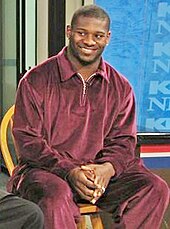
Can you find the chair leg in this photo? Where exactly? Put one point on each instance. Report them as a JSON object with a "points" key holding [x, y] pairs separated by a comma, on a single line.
{"points": [[96, 221], [82, 223]]}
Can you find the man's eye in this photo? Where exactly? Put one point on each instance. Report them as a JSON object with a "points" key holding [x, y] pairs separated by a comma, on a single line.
{"points": [[81, 34], [99, 36]]}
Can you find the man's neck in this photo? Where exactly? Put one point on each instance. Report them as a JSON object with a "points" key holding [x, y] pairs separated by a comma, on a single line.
{"points": [[85, 70]]}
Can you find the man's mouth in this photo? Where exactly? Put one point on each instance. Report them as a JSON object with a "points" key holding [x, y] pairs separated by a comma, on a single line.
{"points": [[88, 50]]}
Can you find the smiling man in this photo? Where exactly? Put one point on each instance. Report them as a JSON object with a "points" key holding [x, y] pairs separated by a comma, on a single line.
{"points": [[75, 130], [87, 42]]}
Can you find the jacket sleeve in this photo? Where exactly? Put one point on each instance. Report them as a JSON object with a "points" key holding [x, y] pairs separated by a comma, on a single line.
{"points": [[31, 140], [120, 143]]}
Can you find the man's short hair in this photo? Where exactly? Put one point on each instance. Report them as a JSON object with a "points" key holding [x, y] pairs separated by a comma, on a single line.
{"points": [[92, 11]]}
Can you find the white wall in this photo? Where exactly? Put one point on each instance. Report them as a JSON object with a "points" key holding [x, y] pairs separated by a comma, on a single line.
{"points": [[42, 30], [8, 45], [30, 33]]}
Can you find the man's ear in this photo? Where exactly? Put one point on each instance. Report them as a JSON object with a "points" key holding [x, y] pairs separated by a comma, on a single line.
{"points": [[108, 37], [68, 31]]}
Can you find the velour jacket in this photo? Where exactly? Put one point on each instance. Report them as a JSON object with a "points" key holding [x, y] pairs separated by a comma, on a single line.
{"points": [[62, 121]]}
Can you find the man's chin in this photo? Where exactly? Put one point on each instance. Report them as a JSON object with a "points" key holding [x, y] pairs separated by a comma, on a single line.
{"points": [[87, 61]]}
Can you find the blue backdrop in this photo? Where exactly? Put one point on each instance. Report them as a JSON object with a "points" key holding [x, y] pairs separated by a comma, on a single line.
{"points": [[140, 49]]}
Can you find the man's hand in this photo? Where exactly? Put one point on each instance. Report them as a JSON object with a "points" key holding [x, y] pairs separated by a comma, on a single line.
{"points": [[90, 181], [102, 173], [82, 182]]}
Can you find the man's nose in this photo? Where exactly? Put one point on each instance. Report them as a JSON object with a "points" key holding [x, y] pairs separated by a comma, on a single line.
{"points": [[89, 39]]}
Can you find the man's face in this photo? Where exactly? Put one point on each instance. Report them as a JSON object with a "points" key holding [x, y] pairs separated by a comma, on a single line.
{"points": [[87, 39]]}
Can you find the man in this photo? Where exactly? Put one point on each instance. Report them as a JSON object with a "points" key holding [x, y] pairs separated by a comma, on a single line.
{"points": [[75, 131], [18, 213]]}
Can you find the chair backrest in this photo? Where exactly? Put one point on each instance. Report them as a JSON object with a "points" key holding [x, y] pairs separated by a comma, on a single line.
{"points": [[5, 130]]}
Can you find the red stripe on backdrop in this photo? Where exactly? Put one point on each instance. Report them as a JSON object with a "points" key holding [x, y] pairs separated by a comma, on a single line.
{"points": [[155, 148]]}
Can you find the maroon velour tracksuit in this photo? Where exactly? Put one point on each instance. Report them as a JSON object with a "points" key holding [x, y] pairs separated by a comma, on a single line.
{"points": [[62, 121]]}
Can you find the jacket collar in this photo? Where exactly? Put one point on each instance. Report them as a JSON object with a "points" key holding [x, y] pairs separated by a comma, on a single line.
{"points": [[67, 71]]}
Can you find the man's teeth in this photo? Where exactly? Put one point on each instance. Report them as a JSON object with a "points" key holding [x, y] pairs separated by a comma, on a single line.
{"points": [[87, 50]]}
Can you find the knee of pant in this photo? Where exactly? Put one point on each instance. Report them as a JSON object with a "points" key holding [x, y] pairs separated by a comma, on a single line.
{"points": [[37, 213], [164, 190], [60, 190], [30, 208], [160, 188]]}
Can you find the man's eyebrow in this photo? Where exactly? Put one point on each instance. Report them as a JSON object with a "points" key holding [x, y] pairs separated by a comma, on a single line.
{"points": [[82, 29]]}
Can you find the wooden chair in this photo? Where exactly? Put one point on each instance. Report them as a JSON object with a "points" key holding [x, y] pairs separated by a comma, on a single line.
{"points": [[89, 210], [6, 126]]}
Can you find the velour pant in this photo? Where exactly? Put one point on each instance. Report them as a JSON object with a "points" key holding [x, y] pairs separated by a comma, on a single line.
{"points": [[17, 213], [137, 199]]}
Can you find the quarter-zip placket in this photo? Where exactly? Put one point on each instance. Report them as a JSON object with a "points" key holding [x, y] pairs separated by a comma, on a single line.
{"points": [[84, 87]]}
